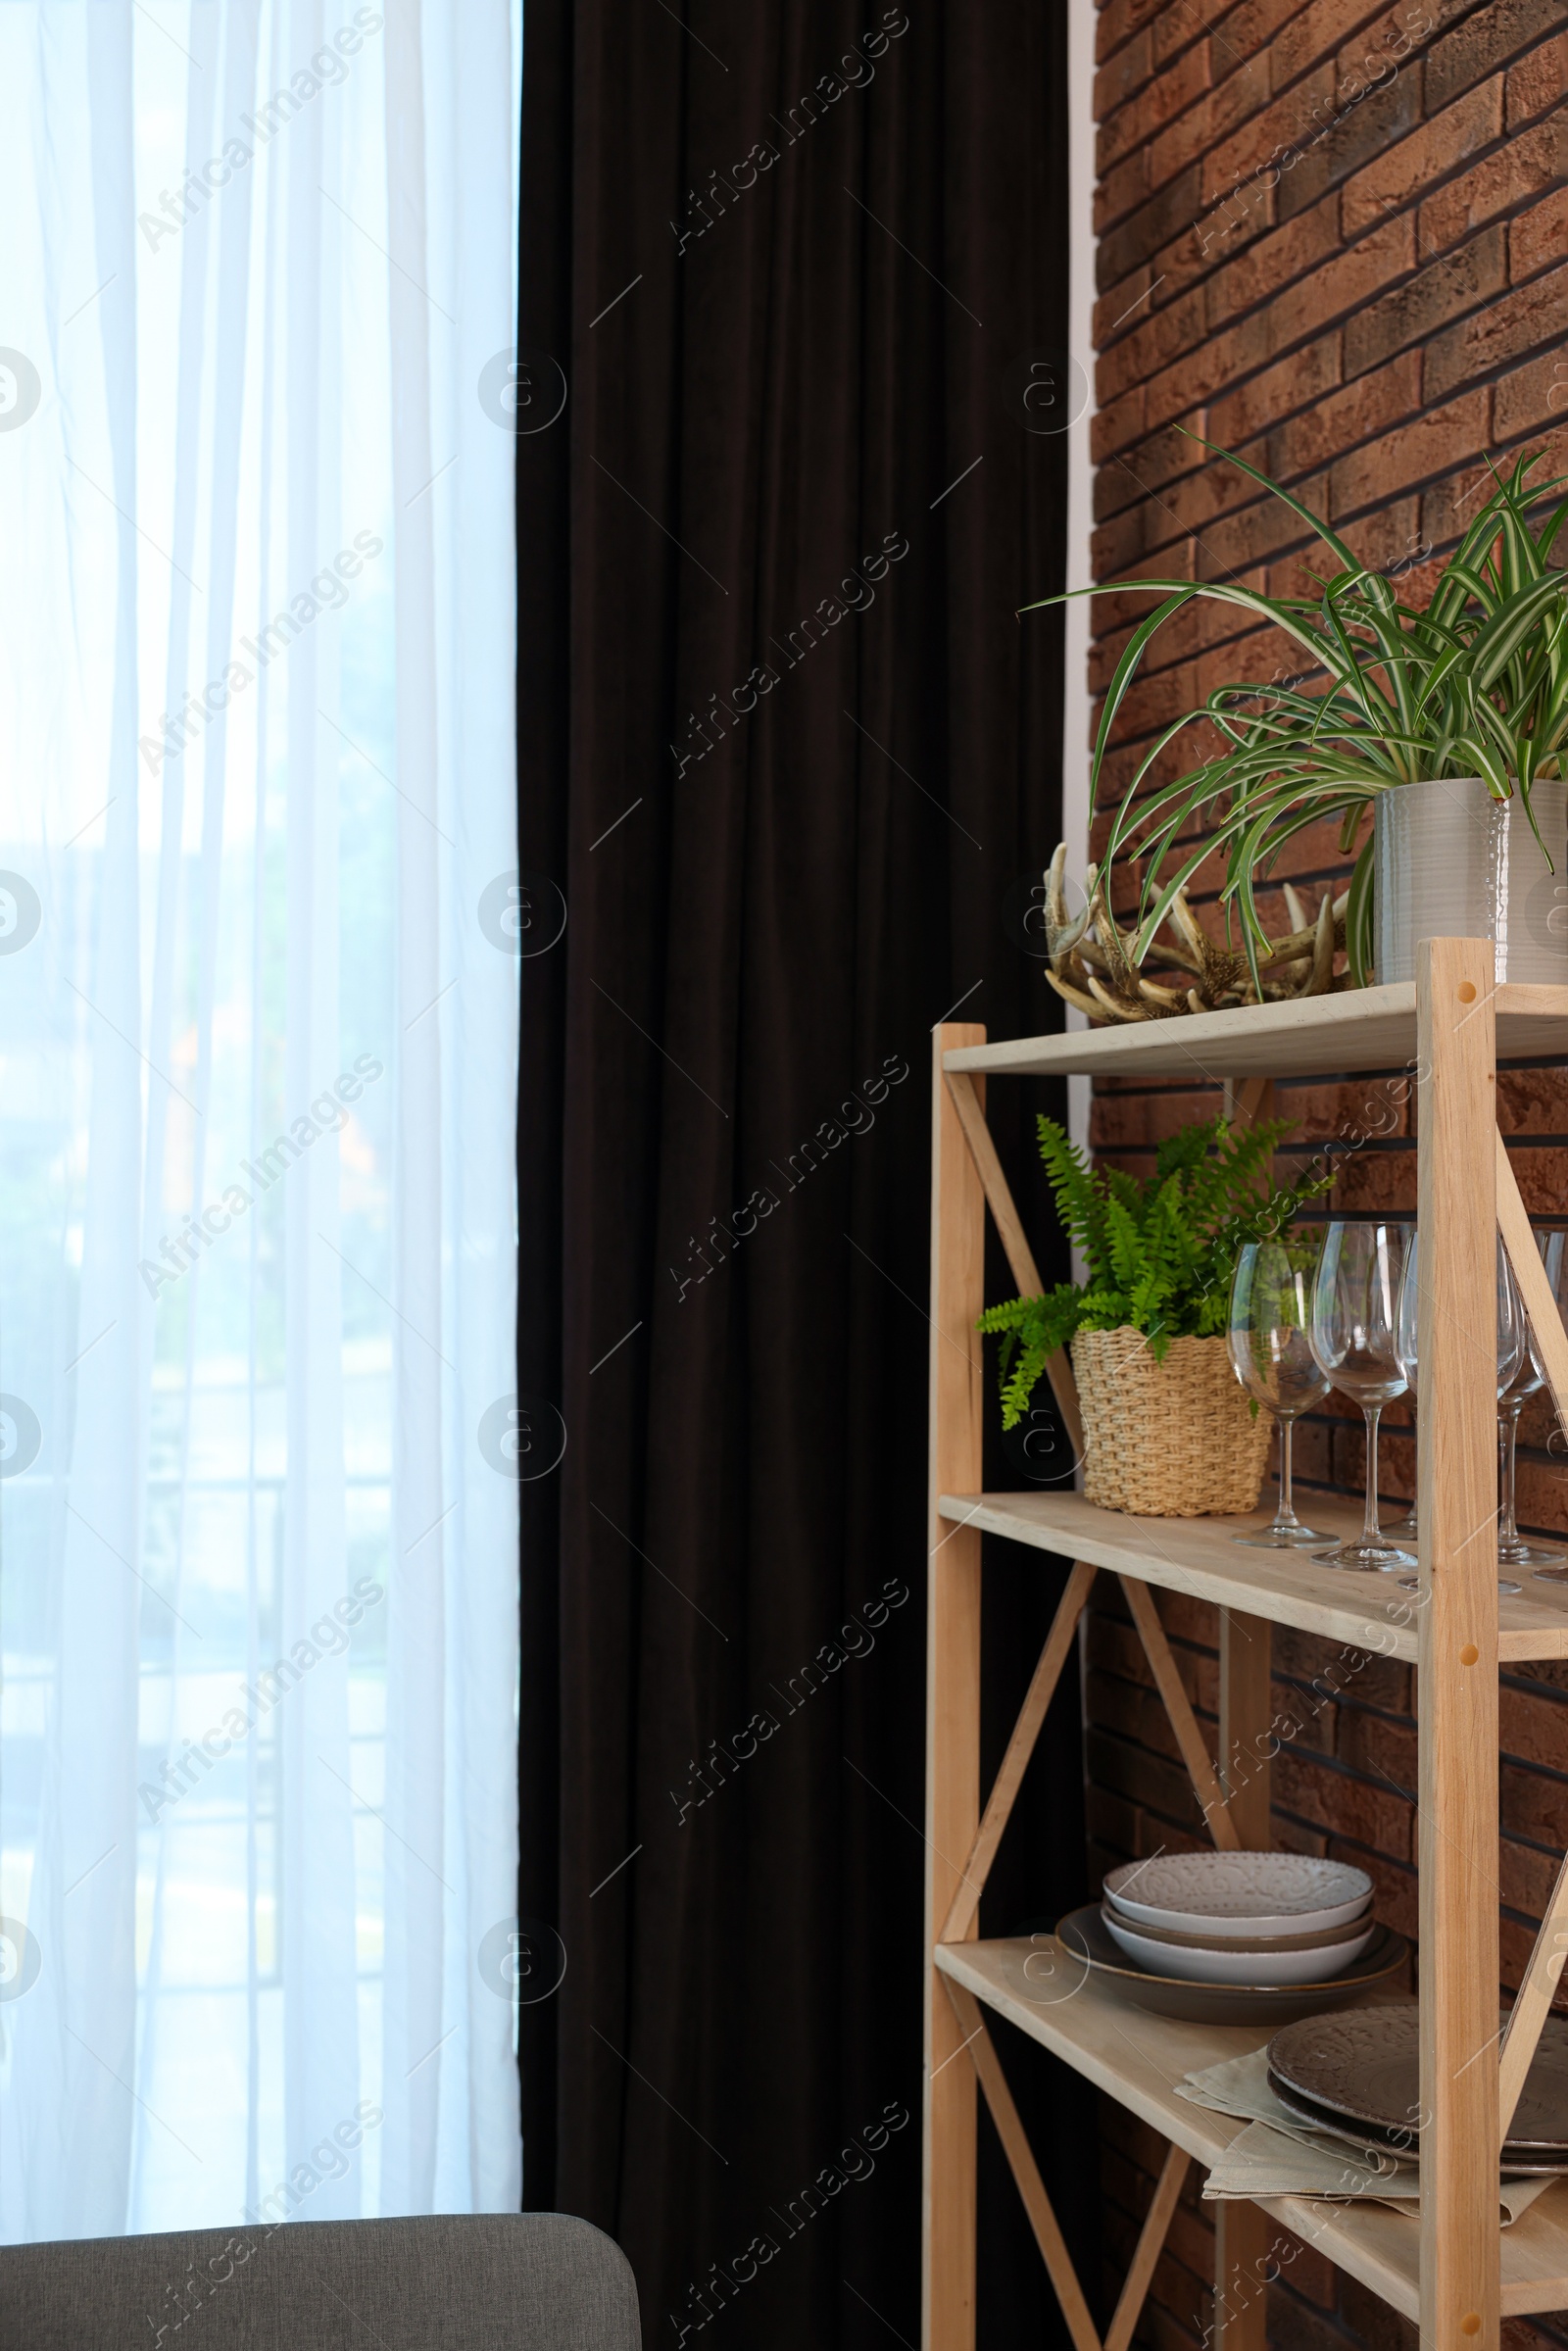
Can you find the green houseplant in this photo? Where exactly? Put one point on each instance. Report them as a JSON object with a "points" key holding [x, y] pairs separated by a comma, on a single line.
{"points": [[1167, 1429], [1470, 689]]}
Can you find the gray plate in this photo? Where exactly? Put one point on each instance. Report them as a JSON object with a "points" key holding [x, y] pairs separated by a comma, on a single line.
{"points": [[1367, 2067], [1405, 2146], [1085, 1938]]}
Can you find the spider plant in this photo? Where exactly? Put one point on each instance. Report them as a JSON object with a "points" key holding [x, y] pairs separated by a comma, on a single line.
{"points": [[1474, 685]]}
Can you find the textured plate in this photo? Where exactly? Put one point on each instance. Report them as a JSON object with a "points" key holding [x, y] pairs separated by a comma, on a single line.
{"points": [[1205, 1938], [1239, 1963], [1368, 2067], [1083, 1936], [1404, 2145], [1239, 1894]]}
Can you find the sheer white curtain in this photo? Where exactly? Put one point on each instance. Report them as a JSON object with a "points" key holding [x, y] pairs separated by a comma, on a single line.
{"points": [[258, 1037]]}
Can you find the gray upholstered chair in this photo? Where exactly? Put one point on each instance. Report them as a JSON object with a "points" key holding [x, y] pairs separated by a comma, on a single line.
{"points": [[526, 2282]]}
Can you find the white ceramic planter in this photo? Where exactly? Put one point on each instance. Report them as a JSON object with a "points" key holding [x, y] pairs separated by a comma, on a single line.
{"points": [[1452, 862]]}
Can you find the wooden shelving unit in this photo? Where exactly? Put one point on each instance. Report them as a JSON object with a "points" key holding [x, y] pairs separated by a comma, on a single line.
{"points": [[1454, 2269]]}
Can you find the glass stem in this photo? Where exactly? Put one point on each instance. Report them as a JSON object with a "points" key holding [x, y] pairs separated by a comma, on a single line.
{"points": [[1371, 1531], [1286, 1516], [1508, 1441]]}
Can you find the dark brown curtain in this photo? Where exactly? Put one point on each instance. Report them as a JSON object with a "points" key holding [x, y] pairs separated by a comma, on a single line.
{"points": [[790, 761]]}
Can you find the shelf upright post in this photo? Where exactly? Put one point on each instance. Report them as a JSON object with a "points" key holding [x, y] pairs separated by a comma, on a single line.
{"points": [[953, 1702], [1457, 1644]]}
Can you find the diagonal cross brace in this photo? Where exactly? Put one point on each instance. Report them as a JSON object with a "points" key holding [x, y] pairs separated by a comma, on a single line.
{"points": [[1042, 2217], [1195, 1754]]}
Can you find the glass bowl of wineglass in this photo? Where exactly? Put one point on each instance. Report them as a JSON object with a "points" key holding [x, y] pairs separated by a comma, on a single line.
{"points": [[1355, 1299], [1269, 1337]]}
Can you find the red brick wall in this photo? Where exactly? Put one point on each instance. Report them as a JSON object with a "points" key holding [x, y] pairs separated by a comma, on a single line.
{"points": [[1334, 238]]}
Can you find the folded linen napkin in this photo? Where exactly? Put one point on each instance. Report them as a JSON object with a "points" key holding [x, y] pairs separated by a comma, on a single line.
{"points": [[1279, 2154]]}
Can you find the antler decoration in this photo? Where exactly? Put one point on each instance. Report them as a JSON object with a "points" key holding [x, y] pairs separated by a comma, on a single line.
{"points": [[1093, 964]]}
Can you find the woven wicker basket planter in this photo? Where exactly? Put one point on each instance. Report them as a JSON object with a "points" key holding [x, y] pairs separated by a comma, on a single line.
{"points": [[1172, 1440]]}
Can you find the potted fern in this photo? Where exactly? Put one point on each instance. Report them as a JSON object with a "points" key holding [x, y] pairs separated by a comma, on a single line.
{"points": [[1167, 1432], [1446, 725]]}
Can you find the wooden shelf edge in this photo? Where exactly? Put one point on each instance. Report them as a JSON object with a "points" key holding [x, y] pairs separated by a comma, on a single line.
{"points": [[1365, 1028], [1196, 1555]]}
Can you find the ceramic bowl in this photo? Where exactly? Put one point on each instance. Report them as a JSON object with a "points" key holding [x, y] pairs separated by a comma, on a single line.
{"points": [[1234, 1966], [1205, 1938], [1089, 1946], [1239, 1896]]}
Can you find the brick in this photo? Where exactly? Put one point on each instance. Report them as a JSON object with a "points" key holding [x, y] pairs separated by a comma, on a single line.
{"points": [[1452, 285], [1135, 1715], [1483, 41], [1375, 1183], [1116, 81], [1344, 137], [1384, 1750], [1290, 122], [1299, 381], [1533, 1726], [1354, 413], [1527, 166], [1342, 285], [1259, 532], [1531, 396], [1535, 1806], [1323, 30], [1336, 1109], [1121, 191], [1117, 304], [1543, 1180], [1166, 457], [1308, 1786], [1117, 426], [1433, 443], [1121, 20], [1389, 180], [1179, 87], [1235, 99], [1533, 1102], [1115, 1649], [1537, 83], [1119, 1121], [1152, 343], [1540, 236], [1270, 263], [1449, 505], [1172, 210], [1160, 1788], [1525, 1877]]}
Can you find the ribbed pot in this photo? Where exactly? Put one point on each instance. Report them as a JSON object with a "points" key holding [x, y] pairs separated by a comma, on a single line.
{"points": [[1452, 862], [1170, 1440]]}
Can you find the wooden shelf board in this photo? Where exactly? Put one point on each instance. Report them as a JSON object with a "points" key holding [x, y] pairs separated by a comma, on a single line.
{"points": [[1365, 1028], [1138, 2059], [1196, 1555]]}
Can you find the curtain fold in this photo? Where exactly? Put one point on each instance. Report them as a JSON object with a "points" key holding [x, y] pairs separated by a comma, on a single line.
{"points": [[257, 1563], [789, 756]]}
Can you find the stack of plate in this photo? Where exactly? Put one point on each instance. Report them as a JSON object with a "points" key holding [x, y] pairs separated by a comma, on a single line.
{"points": [[1357, 2078], [1250, 1918]]}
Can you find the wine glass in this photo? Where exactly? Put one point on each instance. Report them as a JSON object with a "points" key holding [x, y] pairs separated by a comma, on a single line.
{"points": [[1510, 1350], [1271, 1354], [1355, 1300]]}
